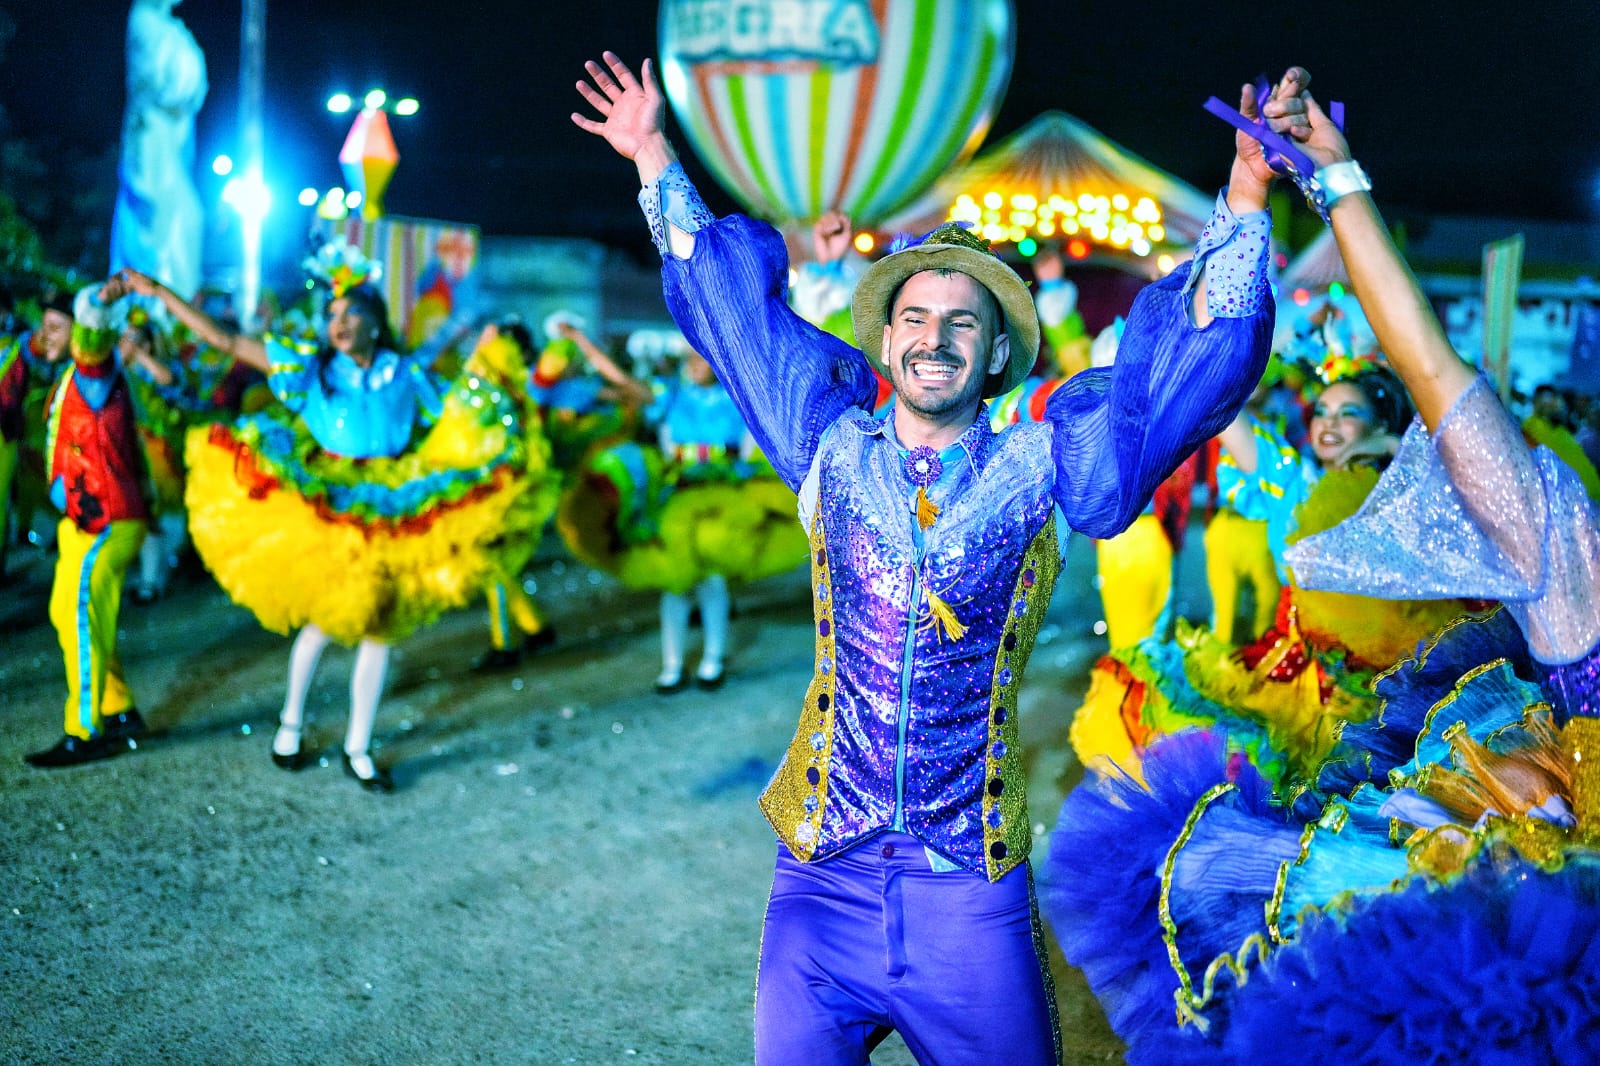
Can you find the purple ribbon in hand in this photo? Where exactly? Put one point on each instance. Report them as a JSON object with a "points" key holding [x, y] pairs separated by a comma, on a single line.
{"points": [[1279, 151]]}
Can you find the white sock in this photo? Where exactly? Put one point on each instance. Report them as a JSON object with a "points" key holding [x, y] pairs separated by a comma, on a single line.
{"points": [[363, 766], [713, 596], [174, 538], [674, 634], [152, 563], [303, 657], [366, 686], [287, 742]]}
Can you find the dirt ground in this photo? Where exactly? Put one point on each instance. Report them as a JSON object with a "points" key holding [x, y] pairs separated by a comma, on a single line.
{"points": [[572, 870]]}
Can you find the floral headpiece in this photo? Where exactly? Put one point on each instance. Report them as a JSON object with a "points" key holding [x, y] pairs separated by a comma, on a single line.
{"points": [[342, 267], [1337, 366]]}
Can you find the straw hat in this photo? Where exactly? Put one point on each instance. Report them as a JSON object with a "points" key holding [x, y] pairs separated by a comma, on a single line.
{"points": [[950, 247]]}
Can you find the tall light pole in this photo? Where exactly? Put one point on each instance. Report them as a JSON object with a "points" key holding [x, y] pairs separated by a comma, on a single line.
{"points": [[250, 197]]}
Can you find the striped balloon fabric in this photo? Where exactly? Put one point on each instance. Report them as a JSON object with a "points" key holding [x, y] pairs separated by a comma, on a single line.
{"points": [[799, 107]]}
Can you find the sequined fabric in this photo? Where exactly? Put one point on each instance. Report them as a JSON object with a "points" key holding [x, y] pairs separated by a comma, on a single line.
{"points": [[672, 200], [1234, 250], [991, 558], [795, 797], [1006, 829], [1573, 688], [1474, 513], [1580, 740]]}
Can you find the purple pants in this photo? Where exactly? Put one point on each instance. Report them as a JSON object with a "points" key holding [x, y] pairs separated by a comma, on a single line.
{"points": [[874, 941]]}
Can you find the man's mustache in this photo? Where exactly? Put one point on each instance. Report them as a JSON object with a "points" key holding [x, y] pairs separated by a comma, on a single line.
{"points": [[929, 357]]}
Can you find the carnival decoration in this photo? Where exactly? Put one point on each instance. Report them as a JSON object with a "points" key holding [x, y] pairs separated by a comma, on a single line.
{"points": [[799, 107], [1058, 179], [368, 159], [429, 269]]}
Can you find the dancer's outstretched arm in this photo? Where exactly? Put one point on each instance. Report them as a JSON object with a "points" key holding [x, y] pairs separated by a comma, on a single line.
{"points": [[636, 391], [1407, 329], [1529, 533], [726, 284], [633, 122], [248, 350]]}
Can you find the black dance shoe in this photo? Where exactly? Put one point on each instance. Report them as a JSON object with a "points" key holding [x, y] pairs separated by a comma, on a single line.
{"points": [[70, 751], [379, 781], [129, 724], [496, 659]]}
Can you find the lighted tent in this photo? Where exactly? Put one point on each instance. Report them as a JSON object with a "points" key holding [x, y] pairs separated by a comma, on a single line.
{"points": [[1059, 179], [1316, 268]]}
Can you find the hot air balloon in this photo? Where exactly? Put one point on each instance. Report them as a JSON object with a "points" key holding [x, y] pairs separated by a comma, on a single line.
{"points": [[799, 107]]}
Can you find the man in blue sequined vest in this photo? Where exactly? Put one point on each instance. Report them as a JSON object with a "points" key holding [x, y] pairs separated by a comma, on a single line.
{"points": [[902, 899]]}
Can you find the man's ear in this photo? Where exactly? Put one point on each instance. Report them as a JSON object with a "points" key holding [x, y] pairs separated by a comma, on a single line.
{"points": [[885, 351], [1001, 354]]}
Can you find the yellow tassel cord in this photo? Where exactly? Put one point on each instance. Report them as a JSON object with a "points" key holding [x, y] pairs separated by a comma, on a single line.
{"points": [[927, 510], [941, 616]]}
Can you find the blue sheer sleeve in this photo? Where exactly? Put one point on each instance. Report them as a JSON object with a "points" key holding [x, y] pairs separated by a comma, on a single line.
{"points": [[1472, 511], [789, 379], [1120, 430]]}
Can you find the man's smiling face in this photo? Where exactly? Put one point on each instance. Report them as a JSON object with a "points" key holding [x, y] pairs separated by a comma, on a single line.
{"points": [[942, 340]]}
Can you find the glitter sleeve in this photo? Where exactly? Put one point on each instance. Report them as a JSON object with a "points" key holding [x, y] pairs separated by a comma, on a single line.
{"points": [[789, 379], [672, 200], [1234, 250], [1473, 512]]}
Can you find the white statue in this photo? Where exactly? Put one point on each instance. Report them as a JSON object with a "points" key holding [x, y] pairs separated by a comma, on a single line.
{"points": [[159, 224]]}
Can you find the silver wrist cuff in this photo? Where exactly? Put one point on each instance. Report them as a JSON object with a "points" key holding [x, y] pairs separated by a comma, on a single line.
{"points": [[1337, 180]]}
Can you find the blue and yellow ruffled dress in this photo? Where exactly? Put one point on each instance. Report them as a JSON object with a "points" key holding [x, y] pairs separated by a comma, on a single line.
{"points": [[370, 500], [667, 522]]}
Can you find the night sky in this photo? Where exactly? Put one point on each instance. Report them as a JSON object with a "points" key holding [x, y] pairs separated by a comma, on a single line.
{"points": [[1468, 107]]}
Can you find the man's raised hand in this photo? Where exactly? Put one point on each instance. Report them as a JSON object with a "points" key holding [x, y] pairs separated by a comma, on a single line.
{"points": [[1284, 111], [830, 236], [632, 111]]}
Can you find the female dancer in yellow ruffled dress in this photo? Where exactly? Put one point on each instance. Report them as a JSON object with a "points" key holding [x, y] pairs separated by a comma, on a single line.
{"points": [[688, 516], [372, 498], [1288, 692]]}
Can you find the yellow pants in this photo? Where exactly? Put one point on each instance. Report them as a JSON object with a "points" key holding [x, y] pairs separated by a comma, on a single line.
{"points": [[1237, 555], [8, 470], [1135, 580], [84, 601], [509, 606]]}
